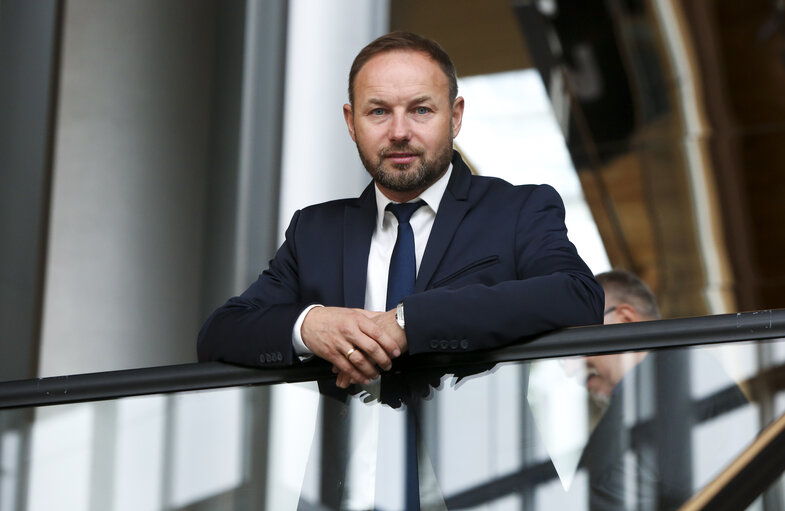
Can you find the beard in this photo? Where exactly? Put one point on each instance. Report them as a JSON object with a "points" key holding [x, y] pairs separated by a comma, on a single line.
{"points": [[418, 175]]}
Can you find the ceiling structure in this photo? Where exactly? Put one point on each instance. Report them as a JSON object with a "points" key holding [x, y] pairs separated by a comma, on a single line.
{"points": [[676, 126]]}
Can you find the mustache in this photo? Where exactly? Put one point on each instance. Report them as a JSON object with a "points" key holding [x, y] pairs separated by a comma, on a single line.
{"points": [[400, 148]]}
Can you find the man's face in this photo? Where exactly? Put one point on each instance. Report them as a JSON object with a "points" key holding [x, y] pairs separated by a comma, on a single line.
{"points": [[601, 376], [402, 122], [604, 372]]}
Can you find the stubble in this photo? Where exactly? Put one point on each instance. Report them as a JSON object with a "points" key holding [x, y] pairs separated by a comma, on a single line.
{"points": [[418, 175]]}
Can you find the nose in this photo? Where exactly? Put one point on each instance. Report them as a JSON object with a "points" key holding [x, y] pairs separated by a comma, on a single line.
{"points": [[399, 127]]}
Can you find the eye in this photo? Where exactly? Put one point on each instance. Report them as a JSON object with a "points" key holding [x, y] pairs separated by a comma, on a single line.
{"points": [[377, 111], [422, 110]]}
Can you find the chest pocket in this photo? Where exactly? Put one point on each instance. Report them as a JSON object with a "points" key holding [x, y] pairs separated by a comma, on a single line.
{"points": [[469, 269]]}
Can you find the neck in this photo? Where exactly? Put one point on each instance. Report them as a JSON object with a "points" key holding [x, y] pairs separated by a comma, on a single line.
{"points": [[397, 196]]}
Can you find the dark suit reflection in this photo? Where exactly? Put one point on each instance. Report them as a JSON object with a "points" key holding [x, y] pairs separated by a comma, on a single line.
{"points": [[648, 466]]}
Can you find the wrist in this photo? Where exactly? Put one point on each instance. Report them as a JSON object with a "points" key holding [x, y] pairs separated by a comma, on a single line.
{"points": [[298, 336]]}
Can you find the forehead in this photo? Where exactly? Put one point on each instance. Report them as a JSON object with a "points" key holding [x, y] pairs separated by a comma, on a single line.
{"points": [[400, 73]]}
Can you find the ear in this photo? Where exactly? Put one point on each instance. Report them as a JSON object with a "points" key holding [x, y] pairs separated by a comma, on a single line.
{"points": [[457, 116], [627, 313], [349, 118]]}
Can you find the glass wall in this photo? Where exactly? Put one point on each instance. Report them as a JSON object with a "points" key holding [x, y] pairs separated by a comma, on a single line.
{"points": [[642, 430]]}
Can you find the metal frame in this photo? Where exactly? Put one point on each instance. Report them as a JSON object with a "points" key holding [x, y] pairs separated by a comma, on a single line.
{"points": [[759, 325]]}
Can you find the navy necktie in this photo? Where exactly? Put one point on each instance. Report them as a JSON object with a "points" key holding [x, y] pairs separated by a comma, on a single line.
{"points": [[400, 283], [403, 265]]}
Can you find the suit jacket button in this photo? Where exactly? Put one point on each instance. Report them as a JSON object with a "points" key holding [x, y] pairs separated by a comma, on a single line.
{"points": [[464, 344], [434, 344], [445, 344], [454, 344]]}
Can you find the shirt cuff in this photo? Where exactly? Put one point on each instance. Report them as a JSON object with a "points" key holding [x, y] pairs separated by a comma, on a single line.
{"points": [[297, 337]]}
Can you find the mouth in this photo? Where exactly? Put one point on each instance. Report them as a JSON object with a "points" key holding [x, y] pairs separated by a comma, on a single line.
{"points": [[401, 158]]}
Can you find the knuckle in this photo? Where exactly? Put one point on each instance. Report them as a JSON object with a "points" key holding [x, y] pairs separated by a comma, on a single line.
{"points": [[374, 330]]}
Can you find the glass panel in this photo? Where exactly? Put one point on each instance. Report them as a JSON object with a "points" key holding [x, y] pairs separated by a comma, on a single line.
{"points": [[511, 131], [623, 431]]}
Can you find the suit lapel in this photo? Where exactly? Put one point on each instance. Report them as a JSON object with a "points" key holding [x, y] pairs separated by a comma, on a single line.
{"points": [[452, 209], [358, 225]]}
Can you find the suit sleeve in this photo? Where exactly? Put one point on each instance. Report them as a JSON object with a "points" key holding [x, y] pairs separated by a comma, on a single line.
{"points": [[554, 288], [255, 328]]}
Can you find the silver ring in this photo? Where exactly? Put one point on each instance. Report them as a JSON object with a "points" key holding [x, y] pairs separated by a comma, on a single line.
{"points": [[349, 353]]}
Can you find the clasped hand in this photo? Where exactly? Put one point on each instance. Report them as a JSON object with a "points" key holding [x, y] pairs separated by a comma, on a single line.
{"points": [[375, 338]]}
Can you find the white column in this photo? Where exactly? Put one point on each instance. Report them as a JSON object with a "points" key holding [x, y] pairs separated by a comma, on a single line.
{"points": [[320, 160], [319, 163]]}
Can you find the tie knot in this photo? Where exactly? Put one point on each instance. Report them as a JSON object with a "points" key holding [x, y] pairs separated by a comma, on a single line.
{"points": [[404, 210]]}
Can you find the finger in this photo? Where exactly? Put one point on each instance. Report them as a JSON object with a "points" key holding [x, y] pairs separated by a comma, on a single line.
{"points": [[388, 347], [332, 332], [397, 336], [336, 354], [348, 380], [361, 363], [342, 380], [376, 344], [374, 354], [356, 366], [369, 353]]}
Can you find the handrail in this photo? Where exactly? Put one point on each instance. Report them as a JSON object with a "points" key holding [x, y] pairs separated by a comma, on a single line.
{"points": [[747, 476], [591, 340]]}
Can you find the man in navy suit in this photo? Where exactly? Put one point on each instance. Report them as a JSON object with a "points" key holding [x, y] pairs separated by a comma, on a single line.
{"points": [[493, 262]]}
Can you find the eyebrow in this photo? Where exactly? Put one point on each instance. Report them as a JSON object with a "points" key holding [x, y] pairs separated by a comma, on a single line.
{"points": [[420, 99]]}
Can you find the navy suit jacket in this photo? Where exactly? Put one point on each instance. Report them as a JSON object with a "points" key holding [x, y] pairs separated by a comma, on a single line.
{"points": [[498, 267]]}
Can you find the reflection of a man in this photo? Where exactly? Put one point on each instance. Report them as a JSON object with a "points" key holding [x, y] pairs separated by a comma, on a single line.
{"points": [[643, 463], [627, 300]]}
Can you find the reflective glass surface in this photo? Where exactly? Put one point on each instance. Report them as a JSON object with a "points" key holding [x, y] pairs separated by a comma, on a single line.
{"points": [[623, 431]]}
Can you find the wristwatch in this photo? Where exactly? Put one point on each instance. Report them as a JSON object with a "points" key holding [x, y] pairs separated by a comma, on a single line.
{"points": [[399, 316]]}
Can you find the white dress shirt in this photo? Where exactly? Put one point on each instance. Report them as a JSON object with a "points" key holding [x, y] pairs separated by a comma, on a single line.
{"points": [[382, 243]]}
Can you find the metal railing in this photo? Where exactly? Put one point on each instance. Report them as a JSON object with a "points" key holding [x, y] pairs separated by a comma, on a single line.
{"points": [[752, 472], [591, 340]]}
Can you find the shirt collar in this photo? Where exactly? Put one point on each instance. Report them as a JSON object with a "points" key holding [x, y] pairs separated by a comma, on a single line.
{"points": [[432, 196]]}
